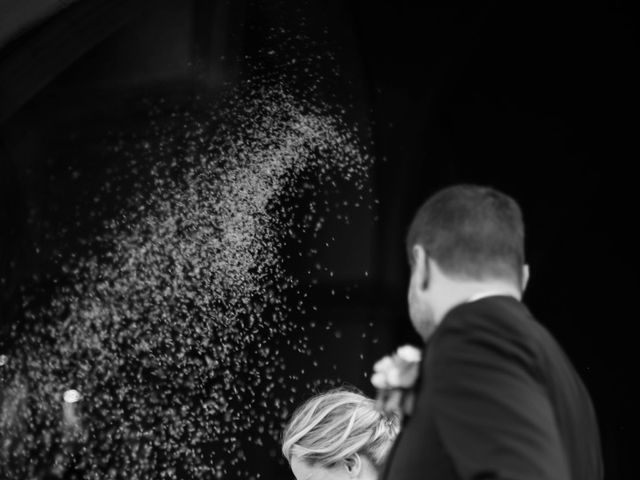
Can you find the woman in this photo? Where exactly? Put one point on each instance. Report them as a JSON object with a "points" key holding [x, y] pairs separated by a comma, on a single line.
{"points": [[338, 435]]}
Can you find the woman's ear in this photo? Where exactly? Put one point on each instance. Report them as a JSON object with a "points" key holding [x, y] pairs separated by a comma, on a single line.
{"points": [[353, 465]]}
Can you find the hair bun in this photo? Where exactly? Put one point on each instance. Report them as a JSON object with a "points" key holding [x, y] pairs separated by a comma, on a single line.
{"points": [[389, 424]]}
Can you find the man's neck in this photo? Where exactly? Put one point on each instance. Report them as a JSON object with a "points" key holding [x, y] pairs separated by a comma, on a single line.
{"points": [[459, 292]]}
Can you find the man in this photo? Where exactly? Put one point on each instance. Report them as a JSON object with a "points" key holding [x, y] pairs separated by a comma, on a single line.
{"points": [[496, 398]]}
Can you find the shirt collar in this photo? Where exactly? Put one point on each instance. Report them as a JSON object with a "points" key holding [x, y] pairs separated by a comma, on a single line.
{"points": [[489, 293]]}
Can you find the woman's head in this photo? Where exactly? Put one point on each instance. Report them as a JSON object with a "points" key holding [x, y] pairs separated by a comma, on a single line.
{"points": [[338, 434]]}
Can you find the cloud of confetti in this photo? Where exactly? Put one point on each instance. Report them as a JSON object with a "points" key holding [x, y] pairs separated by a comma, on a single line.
{"points": [[169, 333]]}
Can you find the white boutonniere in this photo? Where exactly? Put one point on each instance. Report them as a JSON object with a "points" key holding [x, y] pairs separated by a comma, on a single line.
{"points": [[394, 377]]}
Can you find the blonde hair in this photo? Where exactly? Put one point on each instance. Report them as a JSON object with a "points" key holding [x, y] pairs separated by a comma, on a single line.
{"points": [[331, 426]]}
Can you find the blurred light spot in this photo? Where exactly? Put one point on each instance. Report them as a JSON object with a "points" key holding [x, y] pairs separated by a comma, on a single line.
{"points": [[71, 396]]}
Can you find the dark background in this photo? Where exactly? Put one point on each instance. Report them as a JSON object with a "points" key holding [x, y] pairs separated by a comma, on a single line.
{"points": [[538, 103]]}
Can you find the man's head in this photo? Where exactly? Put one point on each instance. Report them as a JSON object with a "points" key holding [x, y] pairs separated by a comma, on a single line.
{"points": [[468, 235]]}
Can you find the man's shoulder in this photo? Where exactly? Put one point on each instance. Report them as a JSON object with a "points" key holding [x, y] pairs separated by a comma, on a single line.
{"points": [[498, 323]]}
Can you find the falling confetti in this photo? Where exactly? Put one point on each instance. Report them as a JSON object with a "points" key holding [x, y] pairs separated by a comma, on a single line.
{"points": [[168, 338]]}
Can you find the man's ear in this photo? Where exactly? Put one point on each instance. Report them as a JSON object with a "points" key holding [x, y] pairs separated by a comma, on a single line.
{"points": [[525, 276], [421, 267], [353, 465]]}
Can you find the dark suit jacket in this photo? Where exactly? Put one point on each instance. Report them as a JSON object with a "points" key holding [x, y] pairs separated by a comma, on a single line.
{"points": [[497, 398]]}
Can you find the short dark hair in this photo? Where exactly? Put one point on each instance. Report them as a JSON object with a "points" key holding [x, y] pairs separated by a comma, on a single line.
{"points": [[472, 231]]}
